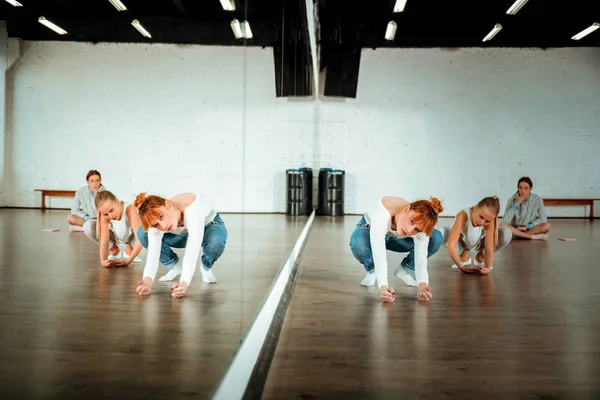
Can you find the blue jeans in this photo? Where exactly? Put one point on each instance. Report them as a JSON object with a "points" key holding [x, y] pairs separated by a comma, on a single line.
{"points": [[213, 243], [360, 243]]}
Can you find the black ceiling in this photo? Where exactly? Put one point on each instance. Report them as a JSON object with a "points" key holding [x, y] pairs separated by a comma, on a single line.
{"points": [[424, 23], [461, 23], [168, 21]]}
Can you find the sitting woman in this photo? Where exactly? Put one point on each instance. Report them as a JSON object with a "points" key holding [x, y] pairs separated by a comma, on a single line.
{"points": [[525, 214], [185, 220], [476, 229], [398, 225], [119, 222], [83, 212]]}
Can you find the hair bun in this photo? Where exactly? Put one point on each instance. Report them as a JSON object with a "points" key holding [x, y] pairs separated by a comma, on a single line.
{"points": [[437, 205], [139, 200]]}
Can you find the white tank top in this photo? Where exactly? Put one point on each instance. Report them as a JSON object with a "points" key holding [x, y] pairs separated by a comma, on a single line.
{"points": [[122, 228], [470, 234]]}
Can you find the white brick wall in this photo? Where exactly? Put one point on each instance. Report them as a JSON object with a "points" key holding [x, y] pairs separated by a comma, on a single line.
{"points": [[163, 118], [460, 125], [158, 118]]}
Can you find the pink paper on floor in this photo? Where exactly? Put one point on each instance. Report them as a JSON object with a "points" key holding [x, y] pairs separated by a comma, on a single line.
{"points": [[50, 230], [567, 239]]}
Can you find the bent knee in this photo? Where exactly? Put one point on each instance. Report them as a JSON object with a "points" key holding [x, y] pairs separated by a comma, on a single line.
{"points": [[545, 227], [360, 250], [215, 247], [436, 240]]}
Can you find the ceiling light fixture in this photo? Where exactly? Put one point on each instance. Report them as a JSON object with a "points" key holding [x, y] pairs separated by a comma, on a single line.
{"points": [[586, 31], [228, 5], [14, 3], [399, 6], [246, 31], [118, 5], [516, 7], [137, 25], [390, 32], [492, 33], [241, 30], [52, 26]]}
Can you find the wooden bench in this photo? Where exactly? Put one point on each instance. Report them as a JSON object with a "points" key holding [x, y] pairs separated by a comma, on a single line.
{"points": [[52, 192], [572, 202]]}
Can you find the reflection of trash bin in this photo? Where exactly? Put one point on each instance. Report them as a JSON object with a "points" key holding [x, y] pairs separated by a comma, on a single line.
{"points": [[332, 184], [299, 191]]}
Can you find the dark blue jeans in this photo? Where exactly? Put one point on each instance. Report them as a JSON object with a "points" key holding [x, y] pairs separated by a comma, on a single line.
{"points": [[213, 243], [360, 243]]}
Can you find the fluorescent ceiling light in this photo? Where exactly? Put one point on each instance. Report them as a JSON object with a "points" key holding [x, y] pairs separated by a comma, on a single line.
{"points": [[140, 28], [516, 7], [118, 5], [390, 32], [228, 5], [399, 6], [52, 26], [492, 33], [586, 31], [14, 3], [246, 31], [236, 28], [241, 30]]}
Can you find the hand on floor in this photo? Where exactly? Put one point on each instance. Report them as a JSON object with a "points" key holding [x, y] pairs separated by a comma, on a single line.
{"points": [[483, 270], [178, 289], [145, 287], [424, 293], [388, 295], [121, 263], [467, 270]]}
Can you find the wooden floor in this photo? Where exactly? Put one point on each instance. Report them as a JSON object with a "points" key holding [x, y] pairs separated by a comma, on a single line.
{"points": [[530, 330], [72, 329]]}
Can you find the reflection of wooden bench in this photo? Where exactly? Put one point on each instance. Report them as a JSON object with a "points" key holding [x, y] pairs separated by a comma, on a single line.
{"points": [[572, 202], [57, 193]]}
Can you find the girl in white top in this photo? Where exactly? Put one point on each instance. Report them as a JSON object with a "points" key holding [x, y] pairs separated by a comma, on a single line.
{"points": [[118, 223], [184, 220], [476, 229], [395, 224]]}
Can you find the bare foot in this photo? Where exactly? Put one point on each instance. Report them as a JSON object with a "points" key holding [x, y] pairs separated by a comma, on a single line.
{"points": [[541, 236]]}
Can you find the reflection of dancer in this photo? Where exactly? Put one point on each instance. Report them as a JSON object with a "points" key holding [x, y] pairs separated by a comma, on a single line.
{"points": [[476, 229], [395, 224], [525, 214], [119, 222], [83, 212], [188, 221]]}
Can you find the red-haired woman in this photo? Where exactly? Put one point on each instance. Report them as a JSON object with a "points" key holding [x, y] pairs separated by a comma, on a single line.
{"points": [[185, 220], [398, 225]]}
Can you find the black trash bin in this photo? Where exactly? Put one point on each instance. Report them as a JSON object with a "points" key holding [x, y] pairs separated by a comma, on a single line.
{"points": [[299, 191], [332, 184]]}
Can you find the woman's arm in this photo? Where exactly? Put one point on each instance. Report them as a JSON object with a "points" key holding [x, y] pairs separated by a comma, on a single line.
{"points": [[76, 207], [195, 215], [102, 226], [459, 223], [490, 235], [154, 244], [512, 211], [134, 219]]}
